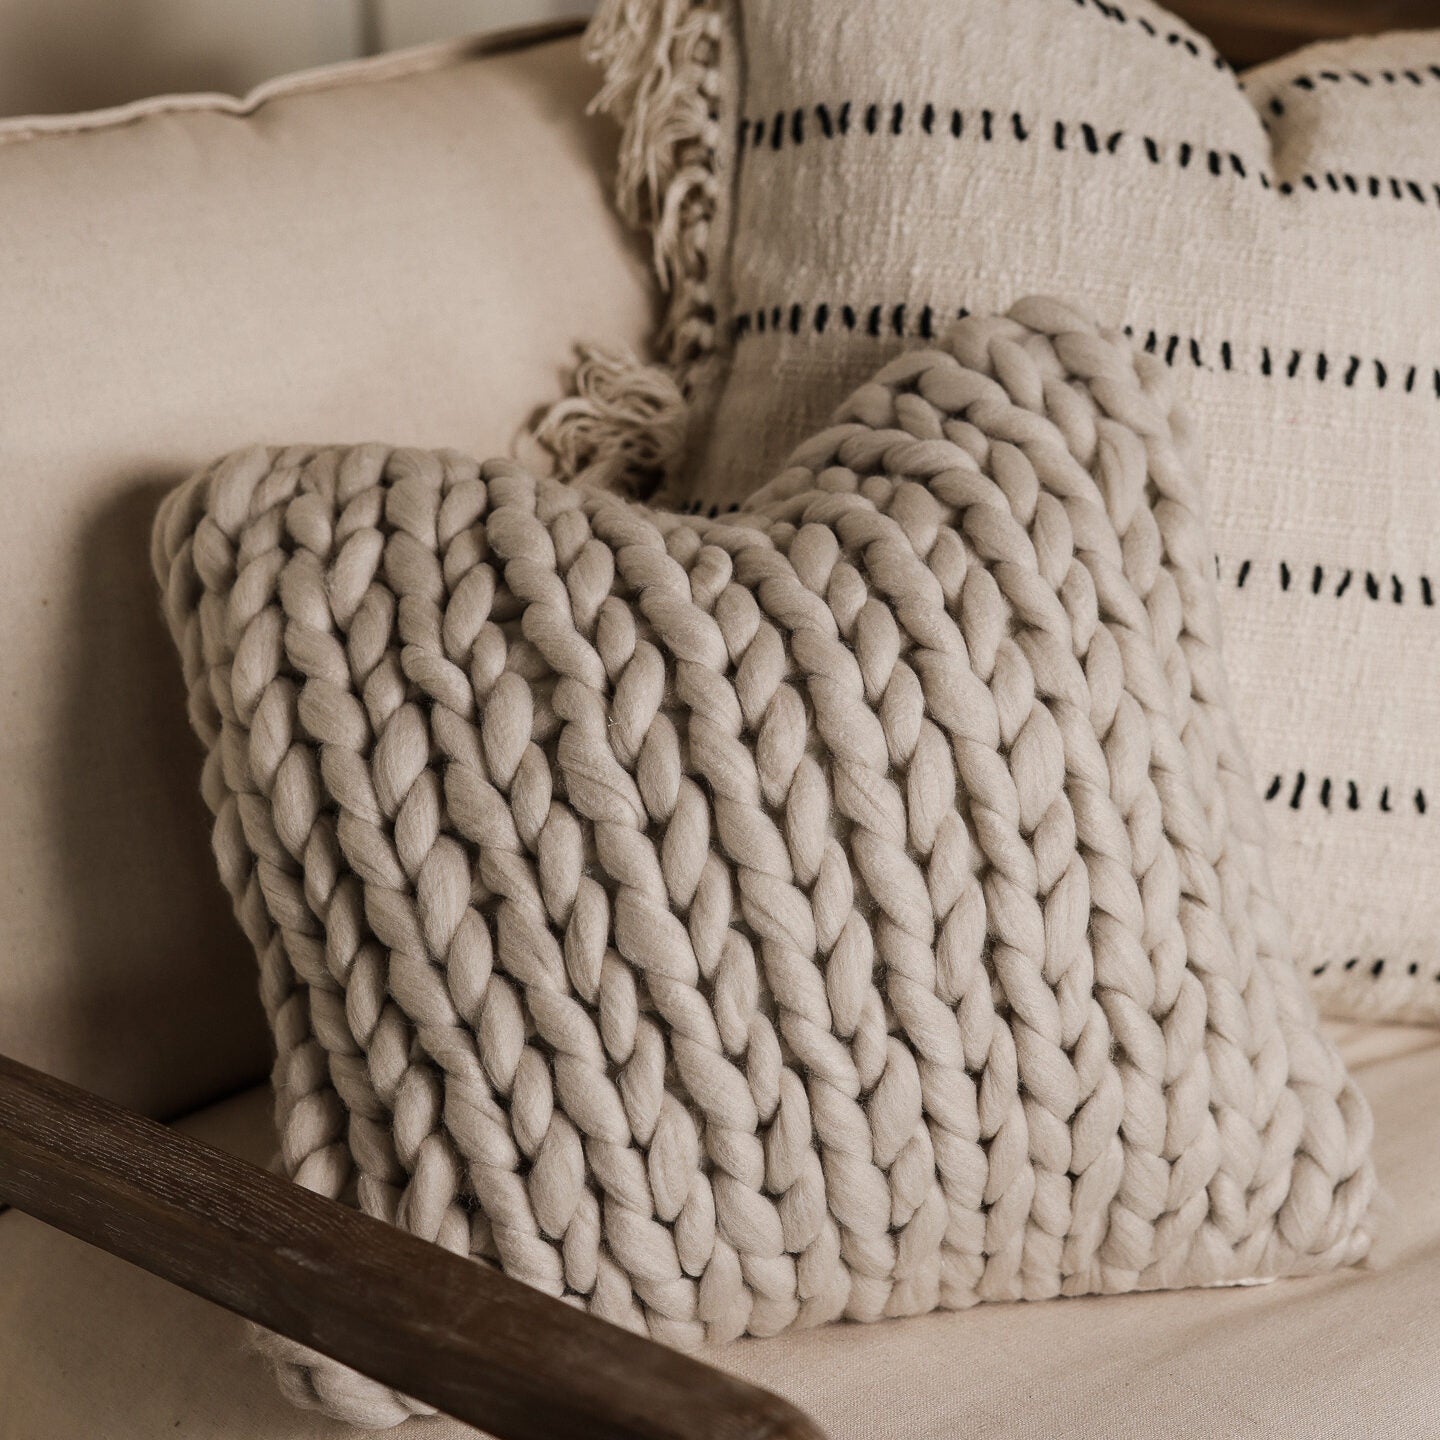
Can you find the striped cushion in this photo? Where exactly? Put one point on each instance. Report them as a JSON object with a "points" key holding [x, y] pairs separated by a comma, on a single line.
{"points": [[830, 183]]}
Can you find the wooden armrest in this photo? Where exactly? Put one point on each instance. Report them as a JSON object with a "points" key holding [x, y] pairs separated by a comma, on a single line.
{"points": [[467, 1339]]}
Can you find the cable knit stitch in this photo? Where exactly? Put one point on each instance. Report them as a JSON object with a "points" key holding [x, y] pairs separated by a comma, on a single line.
{"points": [[846, 907]]}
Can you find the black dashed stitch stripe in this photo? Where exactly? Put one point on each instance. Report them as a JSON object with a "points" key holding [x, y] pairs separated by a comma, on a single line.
{"points": [[774, 133], [1292, 790], [1171, 37], [1385, 586], [1173, 349], [1370, 967], [790, 128], [1428, 75]]}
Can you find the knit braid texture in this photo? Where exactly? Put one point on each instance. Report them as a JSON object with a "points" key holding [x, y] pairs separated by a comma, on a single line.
{"points": [[846, 907]]}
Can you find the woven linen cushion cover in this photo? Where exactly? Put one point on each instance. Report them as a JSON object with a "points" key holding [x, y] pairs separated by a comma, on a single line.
{"points": [[848, 907], [829, 183]]}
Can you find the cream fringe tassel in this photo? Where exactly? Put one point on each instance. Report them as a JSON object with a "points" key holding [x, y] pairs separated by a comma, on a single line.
{"points": [[626, 425], [623, 429]]}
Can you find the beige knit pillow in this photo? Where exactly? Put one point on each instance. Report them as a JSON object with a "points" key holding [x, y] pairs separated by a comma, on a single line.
{"points": [[848, 907], [830, 183]]}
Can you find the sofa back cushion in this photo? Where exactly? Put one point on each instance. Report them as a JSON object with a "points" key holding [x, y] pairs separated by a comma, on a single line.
{"points": [[405, 249]]}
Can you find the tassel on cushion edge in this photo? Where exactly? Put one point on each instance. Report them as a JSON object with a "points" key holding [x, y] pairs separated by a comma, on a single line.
{"points": [[624, 427], [625, 424]]}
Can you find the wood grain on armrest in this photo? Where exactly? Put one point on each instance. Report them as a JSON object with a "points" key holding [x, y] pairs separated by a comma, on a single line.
{"points": [[478, 1345]]}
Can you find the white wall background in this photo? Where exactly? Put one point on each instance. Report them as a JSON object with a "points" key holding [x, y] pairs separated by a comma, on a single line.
{"points": [[63, 55]]}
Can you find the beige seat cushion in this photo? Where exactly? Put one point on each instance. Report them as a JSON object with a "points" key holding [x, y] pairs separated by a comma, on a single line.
{"points": [[406, 250], [89, 1346]]}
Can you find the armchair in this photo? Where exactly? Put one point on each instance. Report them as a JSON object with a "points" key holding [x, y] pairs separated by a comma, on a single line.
{"points": [[426, 283]]}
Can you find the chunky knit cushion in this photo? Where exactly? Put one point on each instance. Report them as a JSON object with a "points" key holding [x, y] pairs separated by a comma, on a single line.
{"points": [[830, 183], [844, 908]]}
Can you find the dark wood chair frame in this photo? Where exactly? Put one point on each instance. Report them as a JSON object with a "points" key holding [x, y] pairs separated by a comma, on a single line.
{"points": [[461, 1336]]}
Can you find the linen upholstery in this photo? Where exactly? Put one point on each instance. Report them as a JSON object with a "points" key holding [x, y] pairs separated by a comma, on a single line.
{"points": [[92, 1346], [830, 183], [846, 908], [409, 248]]}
